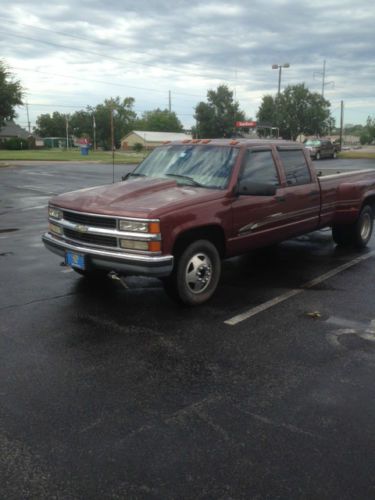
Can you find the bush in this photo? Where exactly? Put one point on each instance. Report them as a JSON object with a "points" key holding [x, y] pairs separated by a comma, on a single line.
{"points": [[138, 147], [15, 143], [365, 138]]}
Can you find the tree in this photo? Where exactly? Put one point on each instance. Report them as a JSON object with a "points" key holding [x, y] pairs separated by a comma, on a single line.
{"points": [[159, 121], [296, 111], [217, 117], [123, 118], [368, 133], [51, 125], [81, 122], [10, 95]]}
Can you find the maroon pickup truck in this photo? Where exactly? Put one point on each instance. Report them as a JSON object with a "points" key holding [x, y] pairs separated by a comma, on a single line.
{"points": [[190, 204]]}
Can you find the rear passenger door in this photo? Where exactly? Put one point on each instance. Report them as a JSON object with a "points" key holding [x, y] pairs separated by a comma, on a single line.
{"points": [[302, 194]]}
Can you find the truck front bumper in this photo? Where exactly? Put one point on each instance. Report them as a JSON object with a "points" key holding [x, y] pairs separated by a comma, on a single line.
{"points": [[123, 263]]}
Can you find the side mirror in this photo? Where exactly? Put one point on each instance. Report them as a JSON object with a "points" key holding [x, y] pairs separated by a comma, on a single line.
{"points": [[250, 188]]}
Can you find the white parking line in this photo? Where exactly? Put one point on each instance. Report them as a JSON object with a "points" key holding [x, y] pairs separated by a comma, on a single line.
{"points": [[281, 298]]}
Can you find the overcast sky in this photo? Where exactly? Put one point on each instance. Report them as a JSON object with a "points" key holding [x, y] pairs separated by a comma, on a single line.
{"points": [[71, 54]]}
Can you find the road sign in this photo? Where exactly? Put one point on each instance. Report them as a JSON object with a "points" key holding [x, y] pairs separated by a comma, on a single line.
{"points": [[251, 124]]}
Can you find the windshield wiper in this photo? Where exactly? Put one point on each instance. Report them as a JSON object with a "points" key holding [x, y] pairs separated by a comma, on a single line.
{"points": [[136, 174], [186, 177]]}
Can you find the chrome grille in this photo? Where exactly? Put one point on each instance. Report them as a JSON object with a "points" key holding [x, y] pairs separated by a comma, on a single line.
{"points": [[90, 220], [93, 239]]}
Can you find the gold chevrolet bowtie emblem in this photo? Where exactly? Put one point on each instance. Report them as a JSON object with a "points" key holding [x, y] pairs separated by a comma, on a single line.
{"points": [[81, 228]]}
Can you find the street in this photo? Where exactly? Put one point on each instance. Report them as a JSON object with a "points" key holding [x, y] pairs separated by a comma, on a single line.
{"points": [[266, 391]]}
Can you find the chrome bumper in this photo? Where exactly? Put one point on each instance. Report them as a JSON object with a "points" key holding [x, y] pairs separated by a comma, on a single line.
{"points": [[124, 263]]}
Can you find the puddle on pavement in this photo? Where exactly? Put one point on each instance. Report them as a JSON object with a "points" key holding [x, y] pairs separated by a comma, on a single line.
{"points": [[9, 230]]}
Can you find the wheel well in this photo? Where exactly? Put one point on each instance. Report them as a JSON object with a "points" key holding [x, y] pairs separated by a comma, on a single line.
{"points": [[214, 234], [370, 201]]}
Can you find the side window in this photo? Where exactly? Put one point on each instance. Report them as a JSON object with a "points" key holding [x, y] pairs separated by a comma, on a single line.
{"points": [[296, 170], [259, 167]]}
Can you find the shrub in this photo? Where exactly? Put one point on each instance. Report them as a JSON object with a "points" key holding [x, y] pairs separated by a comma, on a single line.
{"points": [[138, 147]]}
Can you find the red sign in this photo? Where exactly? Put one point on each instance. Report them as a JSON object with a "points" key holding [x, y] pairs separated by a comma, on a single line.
{"points": [[246, 124]]}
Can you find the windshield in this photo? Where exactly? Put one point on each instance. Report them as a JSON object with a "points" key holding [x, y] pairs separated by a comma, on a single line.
{"points": [[205, 166], [312, 143]]}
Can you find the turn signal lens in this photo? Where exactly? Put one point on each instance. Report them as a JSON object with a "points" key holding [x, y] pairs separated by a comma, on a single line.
{"points": [[154, 227], [154, 246]]}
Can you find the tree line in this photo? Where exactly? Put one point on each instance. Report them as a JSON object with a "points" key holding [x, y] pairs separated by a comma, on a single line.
{"points": [[296, 110], [96, 121]]}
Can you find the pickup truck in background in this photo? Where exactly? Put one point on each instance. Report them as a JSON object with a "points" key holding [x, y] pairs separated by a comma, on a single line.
{"points": [[321, 148], [190, 204]]}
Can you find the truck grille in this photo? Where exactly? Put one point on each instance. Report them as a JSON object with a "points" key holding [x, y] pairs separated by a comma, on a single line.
{"points": [[93, 239], [90, 220]]}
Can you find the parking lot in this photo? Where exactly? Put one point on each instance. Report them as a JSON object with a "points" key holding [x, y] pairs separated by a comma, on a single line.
{"points": [[266, 391]]}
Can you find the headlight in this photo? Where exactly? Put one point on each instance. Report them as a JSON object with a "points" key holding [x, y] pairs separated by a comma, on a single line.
{"points": [[134, 226], [55, 213]]}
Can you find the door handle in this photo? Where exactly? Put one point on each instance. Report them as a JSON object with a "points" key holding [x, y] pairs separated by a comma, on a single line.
{"points": [[280, 198]]}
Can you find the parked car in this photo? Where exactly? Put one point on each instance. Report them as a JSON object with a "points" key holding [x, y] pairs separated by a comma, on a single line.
{"points": [[192, 203], [321, 148]]}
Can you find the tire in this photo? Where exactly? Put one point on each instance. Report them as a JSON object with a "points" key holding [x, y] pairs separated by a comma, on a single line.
{"points": [[334, 155], [196, 274], [357, 234], [317, 156]]}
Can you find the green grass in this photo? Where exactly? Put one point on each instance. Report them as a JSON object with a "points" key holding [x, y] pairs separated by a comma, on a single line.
{"points": [[71, 155], [356, 155]]}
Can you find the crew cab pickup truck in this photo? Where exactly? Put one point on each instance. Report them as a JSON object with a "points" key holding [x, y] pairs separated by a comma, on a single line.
{"points": [[190, 204]]}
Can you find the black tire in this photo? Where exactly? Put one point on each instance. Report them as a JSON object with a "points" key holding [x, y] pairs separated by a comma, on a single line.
{"points": [[357, 234], [334, 155], [317, 156], [195, 275]]}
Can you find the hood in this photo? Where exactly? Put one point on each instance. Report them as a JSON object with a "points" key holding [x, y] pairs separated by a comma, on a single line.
{"points": [[142, 198]]}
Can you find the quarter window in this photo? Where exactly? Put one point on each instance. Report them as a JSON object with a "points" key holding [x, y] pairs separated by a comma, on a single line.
{"points": [[295, 167], [260, 168]]}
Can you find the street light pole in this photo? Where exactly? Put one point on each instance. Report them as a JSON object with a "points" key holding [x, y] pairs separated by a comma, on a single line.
{"points": [[279, 67]]}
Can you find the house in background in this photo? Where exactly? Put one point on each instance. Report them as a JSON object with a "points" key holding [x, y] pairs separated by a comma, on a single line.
{"points": [[11, 130], [151, 140]]}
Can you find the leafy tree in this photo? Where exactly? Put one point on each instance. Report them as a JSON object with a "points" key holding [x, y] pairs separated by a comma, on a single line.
{"points": [[81, 123], [368, 134], [217, 116], [51, 125], [296, 111], [123, 119], [159, 121], [10, 95]]}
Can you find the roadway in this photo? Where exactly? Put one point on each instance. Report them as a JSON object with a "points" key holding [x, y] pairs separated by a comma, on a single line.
{"points": [[114, 393]]}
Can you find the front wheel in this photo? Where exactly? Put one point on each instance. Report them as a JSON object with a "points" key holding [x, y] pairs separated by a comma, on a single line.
{"points": [[196, 274], [317, 156], [334, 155]]}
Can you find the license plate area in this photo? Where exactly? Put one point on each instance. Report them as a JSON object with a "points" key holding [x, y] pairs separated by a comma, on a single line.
{"points": [[76, 260]]}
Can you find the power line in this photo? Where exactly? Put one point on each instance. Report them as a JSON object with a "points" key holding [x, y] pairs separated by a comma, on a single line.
{"points": [[101, 81], [91, 52]]}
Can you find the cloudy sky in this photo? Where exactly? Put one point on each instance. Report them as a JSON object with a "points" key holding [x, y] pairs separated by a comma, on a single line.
{"points": [[71, 54]]}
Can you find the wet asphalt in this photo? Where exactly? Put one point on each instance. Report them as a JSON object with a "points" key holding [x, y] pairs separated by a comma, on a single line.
{"points": [[114, 393]]}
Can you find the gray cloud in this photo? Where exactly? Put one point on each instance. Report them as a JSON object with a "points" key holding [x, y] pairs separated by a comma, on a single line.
{"points": [[190, 46]]}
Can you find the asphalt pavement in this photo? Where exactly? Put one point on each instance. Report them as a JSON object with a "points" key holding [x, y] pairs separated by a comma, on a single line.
{"points": [[109, 392]]}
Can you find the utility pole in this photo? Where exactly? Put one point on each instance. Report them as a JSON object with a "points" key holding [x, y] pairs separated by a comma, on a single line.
{"points": [[322, 75], [94, 130], [169, 101], [113, 144], [28, 117], [341, 123], [67, 131]]}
